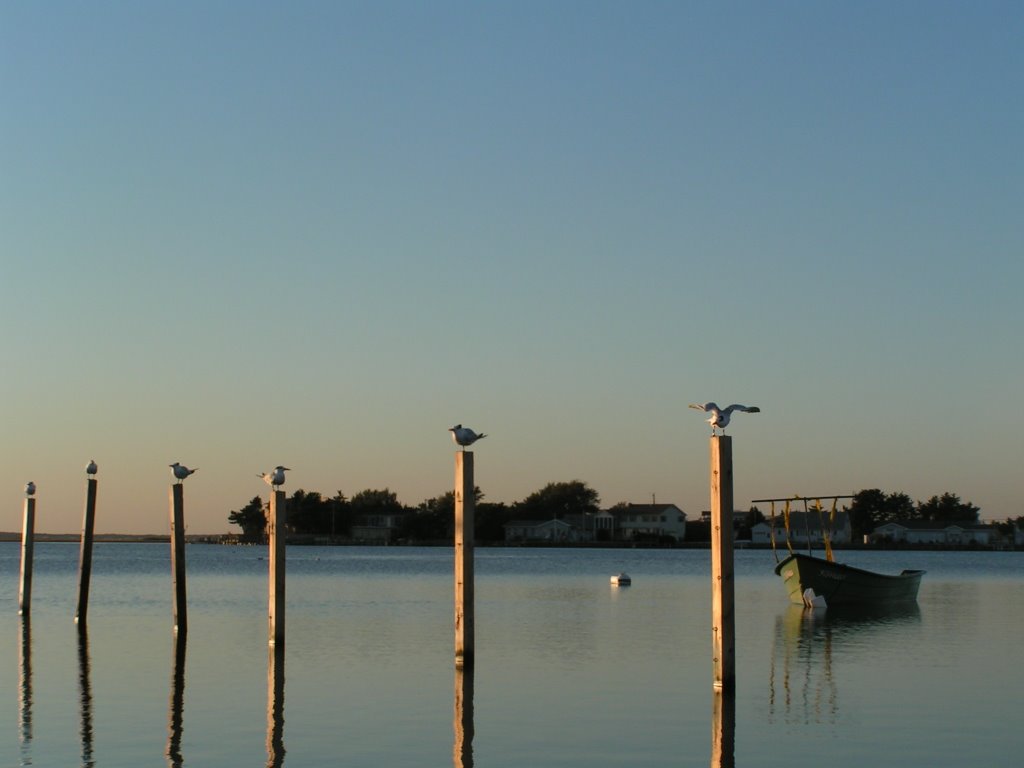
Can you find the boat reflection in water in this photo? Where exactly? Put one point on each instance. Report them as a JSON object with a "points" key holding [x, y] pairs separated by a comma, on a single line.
{"points": [[462, 751], [176, 703], [85, 695], [807, 645], [275, 706]]}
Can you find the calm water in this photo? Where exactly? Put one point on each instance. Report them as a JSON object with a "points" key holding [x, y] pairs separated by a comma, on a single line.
{"points": [[570, 671]]}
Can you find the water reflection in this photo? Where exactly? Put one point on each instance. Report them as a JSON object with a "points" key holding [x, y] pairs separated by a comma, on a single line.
{"points": [[275, 705], [802, 682], [85, 695], [176, 704], [462, 751], [25, 689], [723, 728]]}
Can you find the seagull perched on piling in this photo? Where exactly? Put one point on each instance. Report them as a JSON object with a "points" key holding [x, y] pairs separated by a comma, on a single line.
{"points": [[464, 435], [90, 468], [181, 471], [30, 489], [720, 416], [276, 478]]}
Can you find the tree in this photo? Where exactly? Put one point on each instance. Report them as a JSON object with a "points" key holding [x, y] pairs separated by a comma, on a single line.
{"points": [[252, 519], [557, 500], [375, 502], [948, 509], [871, 508]]}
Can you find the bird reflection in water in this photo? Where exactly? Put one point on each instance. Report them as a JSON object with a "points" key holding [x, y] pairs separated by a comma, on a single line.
{"points": [[275, 706], [723, 728], [25, 689], [85, 695], [176, 703], [462, 751]]}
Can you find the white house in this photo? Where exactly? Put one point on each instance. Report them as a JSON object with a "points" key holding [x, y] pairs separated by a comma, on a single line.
{"points": [[930, 532], [550, 531], [632, 520], [805, 528]]}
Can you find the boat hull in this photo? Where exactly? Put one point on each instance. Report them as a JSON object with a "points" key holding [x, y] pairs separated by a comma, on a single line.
{"points": [[839, 584]]}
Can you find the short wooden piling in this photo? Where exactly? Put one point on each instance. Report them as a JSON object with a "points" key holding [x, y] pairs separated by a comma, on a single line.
{"points": [[85, 552], [276, 534], [28, 533], [723, 623], [177, 503], [465, 509]]}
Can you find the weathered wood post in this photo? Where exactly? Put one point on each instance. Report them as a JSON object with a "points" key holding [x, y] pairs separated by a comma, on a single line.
{"points": [[28, 533], [723, 619], [276, 533], [275, 706], [85, 553], [723, 729], [177, 499], [462, 750], [465, 510]]}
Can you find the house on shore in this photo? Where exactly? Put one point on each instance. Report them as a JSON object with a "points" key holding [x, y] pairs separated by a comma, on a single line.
{"points": [[805, 529], [625, 522], [935, 533]]}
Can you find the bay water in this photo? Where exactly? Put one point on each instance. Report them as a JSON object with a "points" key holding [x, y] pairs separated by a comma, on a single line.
{"points": [[570, 670]]}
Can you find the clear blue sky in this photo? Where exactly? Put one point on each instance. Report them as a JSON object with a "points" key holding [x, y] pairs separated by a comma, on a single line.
{"points": [[238, 235]]}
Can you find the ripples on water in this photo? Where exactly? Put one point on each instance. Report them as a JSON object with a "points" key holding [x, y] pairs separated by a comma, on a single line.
{"points": [[569, 672]]}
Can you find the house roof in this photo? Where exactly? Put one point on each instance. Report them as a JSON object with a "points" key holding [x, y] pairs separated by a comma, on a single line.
{"points": [[933, 525], [644, 509]]}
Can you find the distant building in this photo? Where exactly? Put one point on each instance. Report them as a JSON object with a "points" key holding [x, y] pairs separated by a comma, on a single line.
{"points": [[931, 532], [805, 529], [633, 521], [537, 531], [377, 528]]}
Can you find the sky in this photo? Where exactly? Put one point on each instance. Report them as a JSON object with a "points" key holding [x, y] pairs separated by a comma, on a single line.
{"points": [[318, 234]]}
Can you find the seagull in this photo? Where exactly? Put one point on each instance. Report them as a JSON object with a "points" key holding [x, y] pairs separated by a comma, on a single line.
{"points": [[464, 435], [90, 468], [181, 471], [720, 416], [276, 478], [30, 489]]}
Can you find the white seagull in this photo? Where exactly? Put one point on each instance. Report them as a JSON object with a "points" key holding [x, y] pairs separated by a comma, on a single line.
{"points": [[30, 489], [464, 435], [720, 416], [181, 471], [276, 478], [90, 468]]}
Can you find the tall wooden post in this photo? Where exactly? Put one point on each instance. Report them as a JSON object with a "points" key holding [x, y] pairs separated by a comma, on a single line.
{"points": [[276, 533], [723, 623], [85, 553], [177, 498], [465, 509], [28, 533]]}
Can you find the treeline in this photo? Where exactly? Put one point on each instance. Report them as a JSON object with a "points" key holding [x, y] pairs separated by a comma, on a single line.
{"points": [[310, 513]]}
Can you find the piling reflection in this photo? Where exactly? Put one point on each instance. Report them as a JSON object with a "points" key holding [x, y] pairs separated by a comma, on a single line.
{"points": [[462, 751], [85, 695], [723, 728], [176, 703], [802, 680], [25, 689], [275, 706]]}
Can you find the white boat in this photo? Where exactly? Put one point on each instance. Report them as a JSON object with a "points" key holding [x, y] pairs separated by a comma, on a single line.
{"points": [[622, 580]]}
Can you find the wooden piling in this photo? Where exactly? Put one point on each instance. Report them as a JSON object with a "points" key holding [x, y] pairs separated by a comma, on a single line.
{"points": [[723, 624], [177, 504], [465, 509], [85, 553], [28, 533], [276, 534]]}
